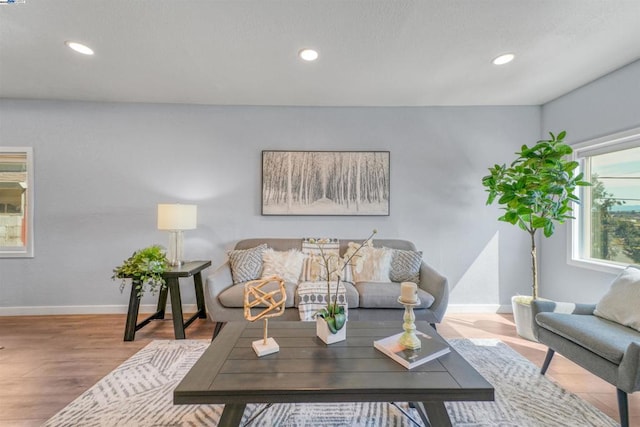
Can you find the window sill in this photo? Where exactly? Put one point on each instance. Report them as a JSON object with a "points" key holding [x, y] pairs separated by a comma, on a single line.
{"points": [[598, 265]]}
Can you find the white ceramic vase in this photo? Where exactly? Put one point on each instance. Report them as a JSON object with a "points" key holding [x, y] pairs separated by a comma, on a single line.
{"points": [[523, 317], [323, 332]]}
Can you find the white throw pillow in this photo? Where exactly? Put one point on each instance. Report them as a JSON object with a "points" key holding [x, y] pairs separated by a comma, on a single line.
{"points": [[287, 265], [374, 266], [621, 304]]}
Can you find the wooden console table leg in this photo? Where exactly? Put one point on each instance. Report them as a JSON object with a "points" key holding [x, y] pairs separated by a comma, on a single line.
{"points": [[162, 302], [231, 415], [197, 281], [176, 307], [132, 315]]}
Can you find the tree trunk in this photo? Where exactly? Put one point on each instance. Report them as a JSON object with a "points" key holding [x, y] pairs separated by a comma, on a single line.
{"points": [[534, 265]]}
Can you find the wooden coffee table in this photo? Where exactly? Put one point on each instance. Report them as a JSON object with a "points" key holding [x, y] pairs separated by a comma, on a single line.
{"points": [[307, 370]]}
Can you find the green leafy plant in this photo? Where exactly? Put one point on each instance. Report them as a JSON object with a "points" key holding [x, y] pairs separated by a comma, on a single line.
{"points": [[145, 268], [536, 190], [333, 266]]}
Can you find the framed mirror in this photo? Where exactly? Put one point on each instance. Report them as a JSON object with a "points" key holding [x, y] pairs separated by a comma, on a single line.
{"points": [[16, 202]]}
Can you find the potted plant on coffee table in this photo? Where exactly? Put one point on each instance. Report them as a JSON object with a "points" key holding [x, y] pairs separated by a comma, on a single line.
{"points": [[145, 268], [536, 192], [333, 315]]}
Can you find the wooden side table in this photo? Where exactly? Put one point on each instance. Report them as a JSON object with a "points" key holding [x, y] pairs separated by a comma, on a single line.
{"points": [[193, 268]]}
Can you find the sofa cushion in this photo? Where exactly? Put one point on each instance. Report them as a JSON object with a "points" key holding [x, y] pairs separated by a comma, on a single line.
{"points": [[607, 339], [620, 304], [246, 264], [405, 266], [373, 266], [284, 264], [385, 295], [233, 296]]}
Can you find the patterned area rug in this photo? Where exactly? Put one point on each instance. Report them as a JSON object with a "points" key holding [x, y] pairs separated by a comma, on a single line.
{"points": [[140, 392]]}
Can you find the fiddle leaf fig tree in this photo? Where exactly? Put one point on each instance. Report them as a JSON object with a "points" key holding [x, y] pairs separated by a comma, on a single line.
{"points": [[536, 190]]}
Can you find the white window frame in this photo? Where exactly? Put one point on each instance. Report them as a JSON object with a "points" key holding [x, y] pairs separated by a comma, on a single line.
{"points": [[615, 142], [25, 251]]}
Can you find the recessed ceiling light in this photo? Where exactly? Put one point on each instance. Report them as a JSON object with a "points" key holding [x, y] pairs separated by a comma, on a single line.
{"points": [[308, 54], [79, 47], [504, 59]]}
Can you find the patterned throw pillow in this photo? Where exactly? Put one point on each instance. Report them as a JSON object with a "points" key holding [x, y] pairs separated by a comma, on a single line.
{"points": [[405, 266], [246, 264], [314, 269], [287, 264]]}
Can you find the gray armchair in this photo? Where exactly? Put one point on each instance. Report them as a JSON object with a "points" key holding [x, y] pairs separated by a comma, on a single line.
{"points": [[605, 348]]}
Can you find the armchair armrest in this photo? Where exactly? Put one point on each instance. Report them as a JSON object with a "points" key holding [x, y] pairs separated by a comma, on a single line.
{"points": [[629, 371], [219, 280], [437, 285]]}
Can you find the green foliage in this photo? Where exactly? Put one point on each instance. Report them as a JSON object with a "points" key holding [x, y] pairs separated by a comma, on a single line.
{"points": [[145, 268], [537, 189]]}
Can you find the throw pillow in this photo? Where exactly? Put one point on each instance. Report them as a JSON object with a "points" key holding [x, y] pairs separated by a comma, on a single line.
{"points": [[405, 266], [373, 265], [246, 264], [621, 303], [287, 265], [314, 269]]}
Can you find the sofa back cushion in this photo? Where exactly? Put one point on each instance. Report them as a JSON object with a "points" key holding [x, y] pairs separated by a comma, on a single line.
{"points": [[621, 303]]}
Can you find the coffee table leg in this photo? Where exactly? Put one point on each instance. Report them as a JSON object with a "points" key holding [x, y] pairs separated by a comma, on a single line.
{"points": [[231, 415], [433, 414]]}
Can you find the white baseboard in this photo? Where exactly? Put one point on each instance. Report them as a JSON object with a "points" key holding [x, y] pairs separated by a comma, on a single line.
{"points": [[478, 308], [85, 309]]}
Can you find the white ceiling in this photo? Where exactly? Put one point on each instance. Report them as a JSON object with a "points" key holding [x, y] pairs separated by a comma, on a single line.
{"points": [[372, 53]]}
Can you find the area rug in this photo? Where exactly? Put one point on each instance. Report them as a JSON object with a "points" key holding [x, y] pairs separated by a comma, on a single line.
{"points": [[140, 391]]}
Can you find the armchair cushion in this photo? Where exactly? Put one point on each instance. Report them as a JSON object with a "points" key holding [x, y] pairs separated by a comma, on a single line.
{"points": [[621, 303]]}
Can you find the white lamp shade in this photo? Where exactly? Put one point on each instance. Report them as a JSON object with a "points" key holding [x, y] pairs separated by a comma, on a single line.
{"points": [[177, 217]]}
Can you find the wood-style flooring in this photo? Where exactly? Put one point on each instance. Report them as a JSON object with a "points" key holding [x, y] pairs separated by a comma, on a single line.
{"points": [[48, 361]]}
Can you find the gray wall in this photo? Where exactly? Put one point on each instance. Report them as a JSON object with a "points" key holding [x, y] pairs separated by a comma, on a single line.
{"points": [[102, 168], [606, 106]]}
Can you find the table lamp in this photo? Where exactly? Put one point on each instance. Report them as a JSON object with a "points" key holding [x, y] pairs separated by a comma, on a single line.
{"points": [[175, 218]]}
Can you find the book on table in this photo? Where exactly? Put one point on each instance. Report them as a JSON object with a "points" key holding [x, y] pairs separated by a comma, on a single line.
{"points": [[431, 348]]}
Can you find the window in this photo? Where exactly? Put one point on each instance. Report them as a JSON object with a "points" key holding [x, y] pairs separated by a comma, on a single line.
{"points": [[16, 202], [606, 234]]}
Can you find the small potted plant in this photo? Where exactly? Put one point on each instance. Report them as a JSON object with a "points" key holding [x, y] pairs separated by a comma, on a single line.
{"points": [[333, 315], [535, 192], [145, 268]]}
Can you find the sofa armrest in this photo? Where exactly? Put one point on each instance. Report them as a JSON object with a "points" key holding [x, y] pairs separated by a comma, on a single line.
{"points": [[629, 371], [437, 285], [219, 280]]}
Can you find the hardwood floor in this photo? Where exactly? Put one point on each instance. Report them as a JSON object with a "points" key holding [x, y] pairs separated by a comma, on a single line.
{"points": [[47, 361]]}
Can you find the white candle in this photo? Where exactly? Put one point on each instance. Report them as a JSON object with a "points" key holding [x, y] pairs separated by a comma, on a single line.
{"points": [[409, 292]]}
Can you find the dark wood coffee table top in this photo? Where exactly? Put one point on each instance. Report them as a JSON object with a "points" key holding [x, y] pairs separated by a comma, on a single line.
{"points": [[307, 370]]}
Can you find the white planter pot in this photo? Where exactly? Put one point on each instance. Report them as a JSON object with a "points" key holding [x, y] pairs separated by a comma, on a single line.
{"points": [[524, 319], [323, 332]]}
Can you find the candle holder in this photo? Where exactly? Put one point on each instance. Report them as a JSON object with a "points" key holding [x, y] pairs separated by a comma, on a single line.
{"points": [[409, 339]]}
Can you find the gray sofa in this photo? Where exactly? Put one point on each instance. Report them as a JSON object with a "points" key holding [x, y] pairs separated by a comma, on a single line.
{"points": [[603, 347], [366, 301]]}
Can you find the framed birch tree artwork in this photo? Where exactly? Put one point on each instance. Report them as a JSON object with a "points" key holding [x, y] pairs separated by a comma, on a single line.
{"points": [[325, 183]]}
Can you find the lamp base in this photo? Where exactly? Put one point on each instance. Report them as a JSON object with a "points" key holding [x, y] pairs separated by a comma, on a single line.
{"points": [[176, 248]]}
